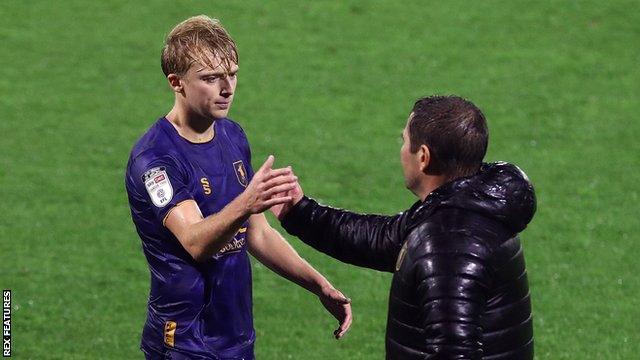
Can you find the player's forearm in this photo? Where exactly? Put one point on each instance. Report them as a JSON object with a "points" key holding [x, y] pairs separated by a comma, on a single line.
{"points": [[278, 255], [208, 236]]}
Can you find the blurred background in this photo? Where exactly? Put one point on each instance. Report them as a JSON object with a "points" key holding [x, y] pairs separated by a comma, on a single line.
{"points": [[326, 86]]}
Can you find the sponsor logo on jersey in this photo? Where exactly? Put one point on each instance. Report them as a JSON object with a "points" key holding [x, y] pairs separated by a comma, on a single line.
{"points": [[241, 173], [235, 245], [158, 186]]}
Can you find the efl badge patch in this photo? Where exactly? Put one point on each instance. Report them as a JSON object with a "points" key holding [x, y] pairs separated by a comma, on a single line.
{"points": [[158, 186], [241, 173]]}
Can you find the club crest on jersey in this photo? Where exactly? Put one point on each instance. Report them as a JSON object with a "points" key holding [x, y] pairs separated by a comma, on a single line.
{"points": [[241, 173], [158, 186]]}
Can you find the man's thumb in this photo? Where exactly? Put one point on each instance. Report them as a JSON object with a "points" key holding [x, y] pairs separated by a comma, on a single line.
{"points": [[343, 299], [267, 164]]}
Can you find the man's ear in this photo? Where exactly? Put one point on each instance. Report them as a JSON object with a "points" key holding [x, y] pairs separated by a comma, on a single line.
{"points": [[175, 82], [424, 157]]}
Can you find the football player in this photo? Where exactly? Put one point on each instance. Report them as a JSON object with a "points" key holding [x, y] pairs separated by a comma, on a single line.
{"points": [[198, 207]]}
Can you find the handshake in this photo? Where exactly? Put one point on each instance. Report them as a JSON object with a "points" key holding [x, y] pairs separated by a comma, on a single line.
{"points": [[275, 189]]}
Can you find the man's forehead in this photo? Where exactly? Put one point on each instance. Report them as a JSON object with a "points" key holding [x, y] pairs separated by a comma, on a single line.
{"points": [[214, 64], [409, 119], [218, 68]]}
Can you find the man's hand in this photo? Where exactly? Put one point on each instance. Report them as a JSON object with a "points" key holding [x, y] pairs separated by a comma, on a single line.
{"points": [[339, 306], [271, 249], [268, 187], [281, 209]]}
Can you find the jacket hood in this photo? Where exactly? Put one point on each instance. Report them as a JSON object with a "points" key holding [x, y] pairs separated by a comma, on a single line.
{"points": [[499, 190]]}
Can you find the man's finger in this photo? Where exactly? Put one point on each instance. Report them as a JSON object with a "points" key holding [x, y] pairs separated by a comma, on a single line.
{"points": [[339, 296], [349, 319], [277, 200], [281, 194], [278, 189], [279, 180], [267, 164], [344, 326], [270, 174], [336, 294]]}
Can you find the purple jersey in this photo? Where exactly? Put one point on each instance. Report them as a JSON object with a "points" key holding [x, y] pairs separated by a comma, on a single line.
{"points": [[202, 310]]}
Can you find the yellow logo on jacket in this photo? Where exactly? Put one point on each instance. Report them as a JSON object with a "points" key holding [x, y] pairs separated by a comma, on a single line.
{"points": [[401, 256]]}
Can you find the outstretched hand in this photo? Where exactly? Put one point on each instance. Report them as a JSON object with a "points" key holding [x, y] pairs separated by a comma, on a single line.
{"points": [[295, 194], [268, 187], [339, 306]]}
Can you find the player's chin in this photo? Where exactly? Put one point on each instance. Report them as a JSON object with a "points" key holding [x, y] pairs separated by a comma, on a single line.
{"points": [[219, 113]]}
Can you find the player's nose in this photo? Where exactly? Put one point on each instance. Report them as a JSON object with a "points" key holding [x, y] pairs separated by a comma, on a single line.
{"points": [[227, 88]]}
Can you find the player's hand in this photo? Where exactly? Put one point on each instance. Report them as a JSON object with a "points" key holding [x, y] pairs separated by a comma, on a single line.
{"points": [[282, 209], [268, 187], [339, 306]]}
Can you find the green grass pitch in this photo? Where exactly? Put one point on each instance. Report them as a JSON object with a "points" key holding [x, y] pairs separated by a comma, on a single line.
{"points": [[325, 86]]}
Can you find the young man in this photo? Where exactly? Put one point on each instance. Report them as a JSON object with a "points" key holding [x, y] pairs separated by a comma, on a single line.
{"points": [[459, 287], [198, 208]]}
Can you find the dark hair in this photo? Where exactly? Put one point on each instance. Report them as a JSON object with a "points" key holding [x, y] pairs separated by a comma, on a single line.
{"points": [[454, 130]]}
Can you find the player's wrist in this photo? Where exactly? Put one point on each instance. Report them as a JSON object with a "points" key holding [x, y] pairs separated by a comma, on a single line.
{"points": [[321, 286], [242, 206], [296, 199]]}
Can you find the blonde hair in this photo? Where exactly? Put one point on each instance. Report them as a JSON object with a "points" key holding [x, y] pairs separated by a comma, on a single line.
{"points": [[198, 39]]}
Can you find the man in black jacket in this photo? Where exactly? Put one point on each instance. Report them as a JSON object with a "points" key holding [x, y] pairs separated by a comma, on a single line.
{"points": [[459, 287]]}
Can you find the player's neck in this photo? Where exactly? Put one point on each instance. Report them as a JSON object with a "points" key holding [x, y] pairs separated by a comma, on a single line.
{"points": [[194, 128]]}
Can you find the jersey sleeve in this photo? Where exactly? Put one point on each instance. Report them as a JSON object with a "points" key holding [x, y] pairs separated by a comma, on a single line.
{"points": [[161, 181]]}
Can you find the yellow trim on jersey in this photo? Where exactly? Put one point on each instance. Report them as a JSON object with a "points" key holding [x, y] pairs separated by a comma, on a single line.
{"points": [[170, 210]]}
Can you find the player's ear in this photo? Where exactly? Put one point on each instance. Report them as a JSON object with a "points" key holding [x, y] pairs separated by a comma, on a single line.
{"points": [[174, 82], [424, 155]]}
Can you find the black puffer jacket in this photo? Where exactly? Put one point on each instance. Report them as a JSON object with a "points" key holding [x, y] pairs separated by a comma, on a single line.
{"points": [[460, 287]]}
